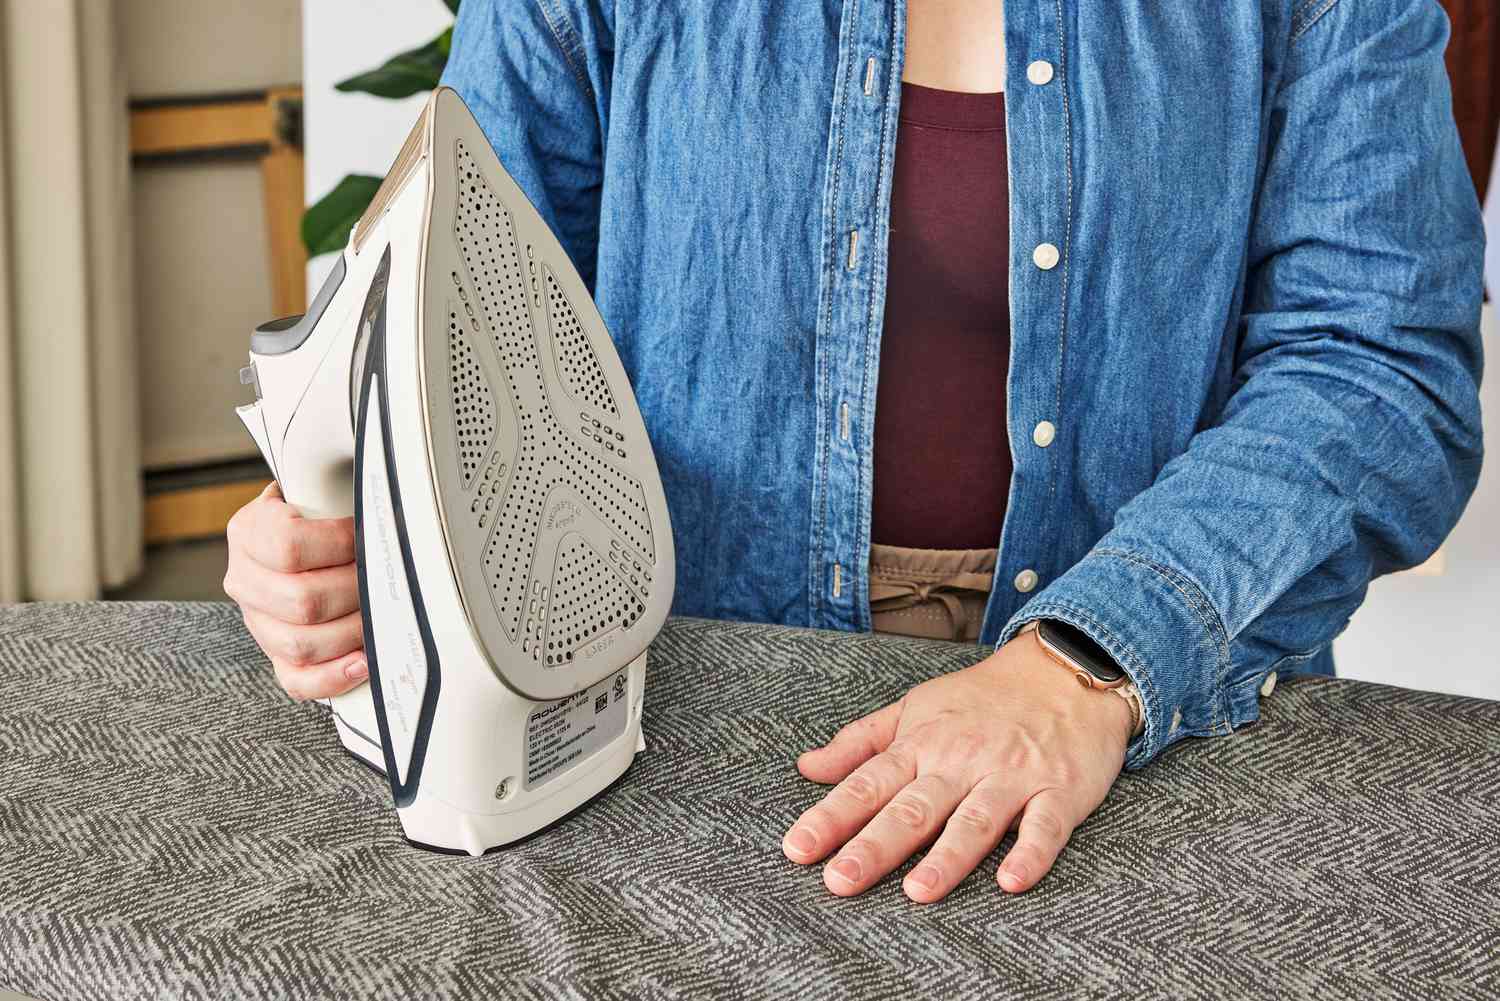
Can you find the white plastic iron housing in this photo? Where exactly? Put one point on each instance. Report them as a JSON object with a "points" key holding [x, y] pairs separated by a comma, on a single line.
{"points": [[454, 388]]}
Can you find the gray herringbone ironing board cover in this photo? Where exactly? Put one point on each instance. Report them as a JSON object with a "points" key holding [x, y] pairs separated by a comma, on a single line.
{"points": [[171, 826]]}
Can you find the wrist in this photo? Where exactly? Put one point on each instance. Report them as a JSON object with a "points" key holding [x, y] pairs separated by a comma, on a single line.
{"points": [[1021, 662], [1071, 650]]}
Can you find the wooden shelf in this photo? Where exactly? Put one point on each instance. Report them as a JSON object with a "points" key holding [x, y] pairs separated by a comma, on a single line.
{"points": [[265, 126]]}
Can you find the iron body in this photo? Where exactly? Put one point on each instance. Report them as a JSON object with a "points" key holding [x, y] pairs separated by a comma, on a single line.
{"points": [[454, 388]]}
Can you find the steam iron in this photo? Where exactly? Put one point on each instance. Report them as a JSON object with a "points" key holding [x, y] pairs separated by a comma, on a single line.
{"points": [[453, 387]]}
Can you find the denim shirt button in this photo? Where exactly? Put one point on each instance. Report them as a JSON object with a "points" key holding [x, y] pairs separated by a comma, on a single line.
{"points": [[1043, 434], [1176, 719], [1026, 581], [1039, 72], [1268, 686], [1045, 256]]}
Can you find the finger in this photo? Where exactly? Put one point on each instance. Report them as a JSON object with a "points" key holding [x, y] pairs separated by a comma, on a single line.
{"points": [[322, 681], [303, 646], [978, 823], [240, 523], [852, 746], [279, 539], [826, 825], [305, 598], [914, 815], [1044, 830]]}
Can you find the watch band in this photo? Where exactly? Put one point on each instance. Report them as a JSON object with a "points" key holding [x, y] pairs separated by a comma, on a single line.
{"points": [[1131, 694], [1125, 689]]}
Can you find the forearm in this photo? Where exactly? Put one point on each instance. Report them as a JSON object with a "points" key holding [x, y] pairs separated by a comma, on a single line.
{"points": [[1352, 440]]}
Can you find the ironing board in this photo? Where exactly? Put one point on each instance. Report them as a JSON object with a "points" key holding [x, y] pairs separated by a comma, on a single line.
{"points": [[172, 826]]}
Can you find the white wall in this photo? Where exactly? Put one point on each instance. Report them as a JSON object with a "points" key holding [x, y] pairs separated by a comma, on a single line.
{"points": [[356, 133], [1443, 633], [1440, 633]]}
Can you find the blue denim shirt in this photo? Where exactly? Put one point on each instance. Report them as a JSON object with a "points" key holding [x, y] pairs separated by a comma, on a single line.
{"points": [[1244, 281]]}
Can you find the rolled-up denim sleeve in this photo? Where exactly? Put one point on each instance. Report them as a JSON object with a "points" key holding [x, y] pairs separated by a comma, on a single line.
{"points": [[1351, 441], [535, 73]]}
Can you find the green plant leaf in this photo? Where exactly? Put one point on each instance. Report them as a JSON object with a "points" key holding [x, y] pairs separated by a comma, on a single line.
{"points": [[413, 72], [326, 224], [453, 6]]}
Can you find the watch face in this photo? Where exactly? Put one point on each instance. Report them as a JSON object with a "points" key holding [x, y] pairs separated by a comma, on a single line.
{"points": [[1075, 645]]}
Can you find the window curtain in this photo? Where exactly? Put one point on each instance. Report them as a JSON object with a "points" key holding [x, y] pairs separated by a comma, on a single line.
{"points": [[70, 482]]}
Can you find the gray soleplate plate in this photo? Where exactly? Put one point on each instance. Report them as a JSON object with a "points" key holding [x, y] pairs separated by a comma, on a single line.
{"points": [[555, 519]]}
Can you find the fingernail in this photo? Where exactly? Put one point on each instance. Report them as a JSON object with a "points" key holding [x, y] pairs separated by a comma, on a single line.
{"points": [[1015, 873], [357, 671], [924, 876], [801, 841], [847, 869]]}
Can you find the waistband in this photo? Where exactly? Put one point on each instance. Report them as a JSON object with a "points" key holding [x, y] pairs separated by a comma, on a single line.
{"points": [[934, 593], [976, 566]]}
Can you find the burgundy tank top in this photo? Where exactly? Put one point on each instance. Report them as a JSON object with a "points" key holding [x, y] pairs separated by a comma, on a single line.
{"points": [[942, 456]]}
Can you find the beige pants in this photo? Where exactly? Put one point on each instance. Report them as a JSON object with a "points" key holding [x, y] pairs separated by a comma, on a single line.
{"points": [[931, 593]]}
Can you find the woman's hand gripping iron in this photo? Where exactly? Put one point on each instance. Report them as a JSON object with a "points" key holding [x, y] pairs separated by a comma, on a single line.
{"points": [[454, 388]]}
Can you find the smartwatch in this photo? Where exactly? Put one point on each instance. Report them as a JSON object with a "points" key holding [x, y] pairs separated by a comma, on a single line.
{"points": [[1073, 649]]}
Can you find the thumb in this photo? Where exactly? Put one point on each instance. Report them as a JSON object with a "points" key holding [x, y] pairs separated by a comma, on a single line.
{"points": [[852, 746]]}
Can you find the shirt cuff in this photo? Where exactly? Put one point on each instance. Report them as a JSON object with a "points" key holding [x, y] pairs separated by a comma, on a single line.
{"points": [[1159, 627]]}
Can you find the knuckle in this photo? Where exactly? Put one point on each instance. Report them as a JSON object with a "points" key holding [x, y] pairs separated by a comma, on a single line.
{"points": [[977, 820], [911, 811], [903, 753], [1066, 772], [1016, 758], [286, 552], [862, 789], [959, 743], [1048, 825], [230, 587], [297, 649], [848, 732], [306, 605]]}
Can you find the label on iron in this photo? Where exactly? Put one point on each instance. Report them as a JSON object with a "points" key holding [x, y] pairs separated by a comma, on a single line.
{"points": [[561, 734]]}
